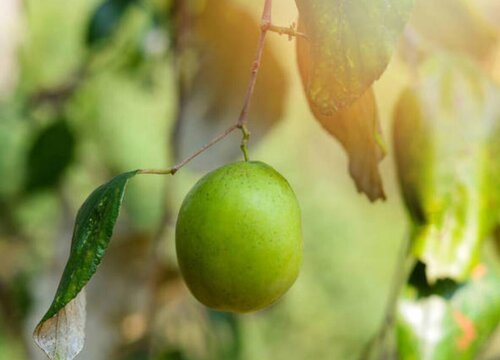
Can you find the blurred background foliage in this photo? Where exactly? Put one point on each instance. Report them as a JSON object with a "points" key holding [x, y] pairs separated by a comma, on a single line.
{"points": [[89, 89]]}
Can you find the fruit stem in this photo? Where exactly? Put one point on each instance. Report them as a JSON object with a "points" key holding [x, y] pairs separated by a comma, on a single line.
{"points": [[244, 141], [174, 169], [242, 121]]}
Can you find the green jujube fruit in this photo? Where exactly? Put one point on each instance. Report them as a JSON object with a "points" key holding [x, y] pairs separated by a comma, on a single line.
{"points": [[239, 237]]}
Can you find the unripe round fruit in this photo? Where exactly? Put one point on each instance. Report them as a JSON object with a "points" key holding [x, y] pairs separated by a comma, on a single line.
{"points": [[239, 237]]}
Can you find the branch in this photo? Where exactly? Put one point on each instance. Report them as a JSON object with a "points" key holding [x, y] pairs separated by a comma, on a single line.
{"points": [[264, 27], [174, 169], [290, 31], [243, 118]]}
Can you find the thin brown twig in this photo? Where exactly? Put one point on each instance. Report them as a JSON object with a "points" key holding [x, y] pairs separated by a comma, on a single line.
{"points": [[243, 118], [175, 168], [264, 27]]}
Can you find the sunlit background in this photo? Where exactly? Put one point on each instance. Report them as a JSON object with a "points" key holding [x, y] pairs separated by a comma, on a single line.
{"points": [[121, 115]]}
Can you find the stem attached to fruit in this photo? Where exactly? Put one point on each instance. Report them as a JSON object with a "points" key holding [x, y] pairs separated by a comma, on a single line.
{"points": [[265, 26], [244, 141], [174, 169]]}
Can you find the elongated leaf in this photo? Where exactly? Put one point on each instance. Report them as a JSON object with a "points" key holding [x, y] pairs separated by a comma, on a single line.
{"points": [[351, 43], [218, 62], [358, 130], [450, 325], [446, 137], [93, 229]]}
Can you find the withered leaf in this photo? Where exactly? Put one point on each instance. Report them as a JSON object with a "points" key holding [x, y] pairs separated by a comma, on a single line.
{"points": [[351, 43], [356, 127], [62, 336]]}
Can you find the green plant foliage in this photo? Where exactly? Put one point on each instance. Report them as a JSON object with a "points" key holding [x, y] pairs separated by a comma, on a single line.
{"points": [[449, 322], [351, 43], [50, 155], [447, 149], [106, 20], [93, 229]]}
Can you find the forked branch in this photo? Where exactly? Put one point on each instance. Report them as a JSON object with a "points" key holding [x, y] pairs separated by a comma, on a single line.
{"points": [[243, 118]]}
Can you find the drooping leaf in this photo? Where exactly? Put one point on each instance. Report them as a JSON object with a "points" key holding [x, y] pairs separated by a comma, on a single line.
{"points": [[106, 20], [451, 322], [447, 149], [351, 43], [357, 128], [216, 64], [60, 332], [457, 25], [49, 156]]}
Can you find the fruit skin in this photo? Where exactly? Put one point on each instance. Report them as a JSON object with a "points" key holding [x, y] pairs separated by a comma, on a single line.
{"points": [[239, 237]]}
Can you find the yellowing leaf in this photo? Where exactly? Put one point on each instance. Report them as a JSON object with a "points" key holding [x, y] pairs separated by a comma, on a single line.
{"points": [[357, 128], [351, 43]]}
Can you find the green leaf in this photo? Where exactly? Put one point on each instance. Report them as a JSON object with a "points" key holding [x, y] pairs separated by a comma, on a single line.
{"points": [[216, 81], [351, 43], [93, 229], [106, 20], [447, 143], [450, 323], [49, 156]]}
